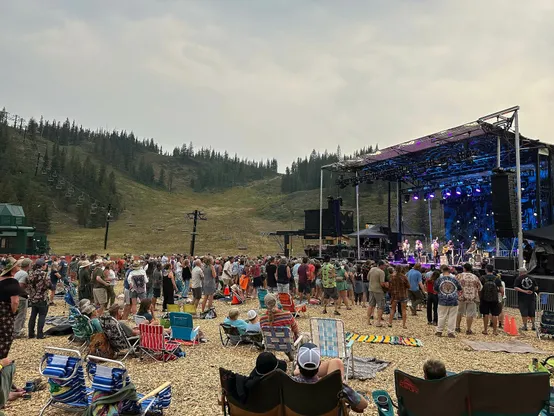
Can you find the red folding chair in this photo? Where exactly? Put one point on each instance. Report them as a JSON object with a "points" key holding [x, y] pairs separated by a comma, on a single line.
{"points": [[154, 344], [286, 301]]}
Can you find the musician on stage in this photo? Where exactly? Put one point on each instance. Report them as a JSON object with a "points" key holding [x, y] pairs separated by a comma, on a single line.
{"points": [[406, 248], [449, 251], [418, 249], [472, 248], [435, 251]]}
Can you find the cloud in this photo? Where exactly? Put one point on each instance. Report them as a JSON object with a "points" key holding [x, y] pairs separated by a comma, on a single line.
{"points": [[277, 79]]}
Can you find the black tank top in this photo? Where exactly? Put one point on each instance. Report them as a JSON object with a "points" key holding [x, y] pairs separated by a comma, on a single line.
{"points": [[282, 277]]}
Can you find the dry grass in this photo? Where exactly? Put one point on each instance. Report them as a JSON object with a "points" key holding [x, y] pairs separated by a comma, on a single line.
{"points": [[195, 377]]}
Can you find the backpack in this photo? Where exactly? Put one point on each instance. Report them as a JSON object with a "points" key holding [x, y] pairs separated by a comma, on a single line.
{"points": [[490, 290], [138, 280], [100, 346], [209, 314]]}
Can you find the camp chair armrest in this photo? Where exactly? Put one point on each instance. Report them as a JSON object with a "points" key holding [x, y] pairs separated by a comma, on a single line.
{"points": [[298, 340], [350, 344], [154, 392], [134, 338]]}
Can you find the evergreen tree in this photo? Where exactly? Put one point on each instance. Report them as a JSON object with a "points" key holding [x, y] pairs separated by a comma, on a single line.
{"points": [[161, 179]]}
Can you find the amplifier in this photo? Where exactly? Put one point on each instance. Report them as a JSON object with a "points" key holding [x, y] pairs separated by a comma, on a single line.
{"points": [[504, 263]]}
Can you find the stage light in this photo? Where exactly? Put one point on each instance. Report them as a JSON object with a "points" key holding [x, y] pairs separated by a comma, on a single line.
{"points": [[406, 199], [431, 195], [448, 192], [469, 190], [415, 196], [535, 214], [478, 189], [458, 191]]}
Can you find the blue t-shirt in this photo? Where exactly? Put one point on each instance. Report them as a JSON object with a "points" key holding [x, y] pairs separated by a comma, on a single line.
{"points": [[147, 315], [237, 323], [415, 278], [125, 281], [253, 327], [447, 288]]}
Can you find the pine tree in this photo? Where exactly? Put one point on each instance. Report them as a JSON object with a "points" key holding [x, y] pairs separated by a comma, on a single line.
{"points": [[161, 179]]}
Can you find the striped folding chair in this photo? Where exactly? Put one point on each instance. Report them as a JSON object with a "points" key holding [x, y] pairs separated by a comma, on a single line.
{"points": [[66, 379], [328, 334], [154, 344], [110, 379], [279, 339], [286, 301]]}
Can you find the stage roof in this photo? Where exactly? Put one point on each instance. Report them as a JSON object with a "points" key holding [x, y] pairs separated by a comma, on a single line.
{"points": [[467, 149]]}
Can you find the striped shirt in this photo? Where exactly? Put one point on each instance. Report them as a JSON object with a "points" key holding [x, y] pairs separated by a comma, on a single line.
{"points": [[281, 318]]}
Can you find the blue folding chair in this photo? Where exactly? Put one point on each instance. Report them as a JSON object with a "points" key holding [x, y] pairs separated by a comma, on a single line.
{"points": [[261, 298], [328, 334], [109, 378], [66, 379], [279, 338], [181, 326]]}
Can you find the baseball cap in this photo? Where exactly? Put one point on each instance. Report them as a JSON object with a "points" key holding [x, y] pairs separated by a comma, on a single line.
{"points": [[309, 356], [40, 262], [251, 314], [522, 270]]}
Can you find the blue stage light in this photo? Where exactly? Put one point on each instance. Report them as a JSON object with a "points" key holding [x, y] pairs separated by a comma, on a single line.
{"points": [[478, 189], [431, 195], [415, 196], [458, 191]]}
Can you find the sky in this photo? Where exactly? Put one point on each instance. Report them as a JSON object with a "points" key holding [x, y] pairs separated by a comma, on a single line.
{"points": [[278, 78]]}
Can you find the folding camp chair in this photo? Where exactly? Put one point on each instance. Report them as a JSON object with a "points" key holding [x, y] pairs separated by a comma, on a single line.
{"points": [[173, 308], [545, 328], [154, 344], [279, 338], [113, 392], [181, 326], [261, 297], [117, 338], [229, 335], [285, 299], [82, 330], [469, 392], [328, 333], [66, 379]]}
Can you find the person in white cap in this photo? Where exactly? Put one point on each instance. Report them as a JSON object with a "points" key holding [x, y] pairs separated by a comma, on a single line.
{"points": [[526, 287], [253, 321], [310, 369]]}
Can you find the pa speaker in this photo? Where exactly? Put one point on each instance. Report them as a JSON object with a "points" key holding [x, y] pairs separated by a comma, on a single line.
{"points": [[505, 263], [504, 204]]}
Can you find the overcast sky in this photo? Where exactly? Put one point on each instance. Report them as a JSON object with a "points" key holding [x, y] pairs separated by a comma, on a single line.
{"points": [[271, 78]]}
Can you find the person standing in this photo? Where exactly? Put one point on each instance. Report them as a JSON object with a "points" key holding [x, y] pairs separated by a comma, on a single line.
{"points": [[432, 298], [415, 294], [304, 287], [341, 275], [37, 288], [209, 285], [377, 285], [9, 302], [526, 288], [271, 270], [55, 277], [283, 277], [398, 289], [169, 286], [156, 285], [111, 278], [137, 280], [469, 298], [186, 278], [85, 284], [99, 287], [329, 283], [21, 276], [197, 276], [447, 288], [227, 275], [365, 281], [489, 304]]}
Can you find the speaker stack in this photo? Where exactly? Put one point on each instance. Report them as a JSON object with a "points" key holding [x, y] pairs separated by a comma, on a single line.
{"points": [[504, 204]]}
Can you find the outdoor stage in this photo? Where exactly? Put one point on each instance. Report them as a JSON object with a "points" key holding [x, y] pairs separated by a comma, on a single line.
{"points": [[460, 167]]}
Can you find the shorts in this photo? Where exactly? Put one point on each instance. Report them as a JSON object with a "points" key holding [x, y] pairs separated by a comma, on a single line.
{"points": [[304, 288], [127, 296], [100, 296], [377, 299], [330, 293], [54, 281], [404, 300], [467, 308], [258, 282], [156, 292], [136, 295], [492, 308], [271, 289], [197, 293], [527, 307], [342, 286]]}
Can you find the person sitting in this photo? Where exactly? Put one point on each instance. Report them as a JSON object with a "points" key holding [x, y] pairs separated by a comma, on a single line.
{"points": [[237, 295], [232, 320], [253, 321], [276, 317], [434, 370], [145, 311], [91, 312], [7, 390], [310, 369], [116, 312]]}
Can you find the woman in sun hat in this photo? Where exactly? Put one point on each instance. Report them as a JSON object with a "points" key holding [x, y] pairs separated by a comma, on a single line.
{"points": [[9, 303]]}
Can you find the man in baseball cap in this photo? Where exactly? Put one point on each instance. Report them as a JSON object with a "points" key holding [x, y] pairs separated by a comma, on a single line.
{"points": [[310, 369]]}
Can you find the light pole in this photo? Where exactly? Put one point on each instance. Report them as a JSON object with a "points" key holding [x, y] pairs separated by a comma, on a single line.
{"points": [[108, 219]]}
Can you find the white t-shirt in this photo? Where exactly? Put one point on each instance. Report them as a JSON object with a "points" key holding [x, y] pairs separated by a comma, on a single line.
{"points": [[197, 277], [178, 267], [21, 276], [228, 269]]}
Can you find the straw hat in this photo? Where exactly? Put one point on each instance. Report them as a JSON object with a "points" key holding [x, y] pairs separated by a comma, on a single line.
{"points": [[12, 262]]}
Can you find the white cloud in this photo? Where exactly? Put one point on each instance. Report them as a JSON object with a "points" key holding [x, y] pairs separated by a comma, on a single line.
{"points": [[277, 79]]}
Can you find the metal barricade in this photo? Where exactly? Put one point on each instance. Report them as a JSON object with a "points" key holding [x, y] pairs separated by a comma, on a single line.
{"points": [[511, 298], [545, 302]]}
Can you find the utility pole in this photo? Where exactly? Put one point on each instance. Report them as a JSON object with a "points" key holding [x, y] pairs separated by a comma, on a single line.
{"points": [[36, 168], [195, 215], [108, 219]]}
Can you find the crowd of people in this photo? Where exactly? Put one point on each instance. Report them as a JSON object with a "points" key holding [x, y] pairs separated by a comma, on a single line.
{"points": [[450, 295]]}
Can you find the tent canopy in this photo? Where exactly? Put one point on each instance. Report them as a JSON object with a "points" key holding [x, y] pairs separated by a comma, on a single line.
{"points": [[543, 234], [371, 232], [379, 231]]}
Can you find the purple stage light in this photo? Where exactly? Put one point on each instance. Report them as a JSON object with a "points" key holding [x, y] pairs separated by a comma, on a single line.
{"points": [[432, 195], [416, 197], [458, 191]]}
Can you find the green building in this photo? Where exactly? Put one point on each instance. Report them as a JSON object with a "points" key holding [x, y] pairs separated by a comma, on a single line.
{"points": [[16, 237]]}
